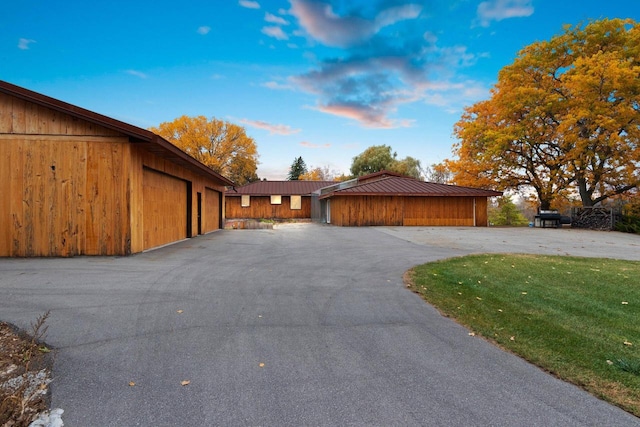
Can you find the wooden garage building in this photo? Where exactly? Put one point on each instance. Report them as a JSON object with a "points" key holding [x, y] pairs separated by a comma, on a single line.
{"points": [[74, 182], [272, 200], [387, 198]]}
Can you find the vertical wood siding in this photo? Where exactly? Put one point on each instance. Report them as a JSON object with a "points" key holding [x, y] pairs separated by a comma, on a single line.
{"points": [[407, 211], [21, 117], [164, 208], [106, 205], [211, 210], [62, 197], [261, 207], [482, 215], [366, 210], [435, 211]]}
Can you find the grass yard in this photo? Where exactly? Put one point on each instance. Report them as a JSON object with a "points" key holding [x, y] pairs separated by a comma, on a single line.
{"points": [[578, 318]]}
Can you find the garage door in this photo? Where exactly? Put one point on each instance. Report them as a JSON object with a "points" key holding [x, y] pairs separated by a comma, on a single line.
{"points": [[212, 209], [164, 208], [435, 211]]}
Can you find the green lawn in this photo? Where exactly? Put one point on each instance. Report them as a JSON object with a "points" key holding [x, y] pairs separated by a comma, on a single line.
{"points": [[578, 318]]}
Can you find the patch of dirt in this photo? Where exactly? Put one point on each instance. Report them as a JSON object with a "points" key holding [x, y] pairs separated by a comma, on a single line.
{"points": [[25, 374]]}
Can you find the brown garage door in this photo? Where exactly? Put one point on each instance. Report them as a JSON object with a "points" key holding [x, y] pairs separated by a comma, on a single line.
{"points": [[164, 208], [212, 209], [434, 211]]}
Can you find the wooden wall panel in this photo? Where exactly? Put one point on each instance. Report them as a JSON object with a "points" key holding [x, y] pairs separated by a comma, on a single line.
{"points": [[436, 211], [135, 201], [261, 208], [67, 196], [22, 117], [107, 209], [408, 211], [164, 208], [211, 210], [34, 187], [5, 196], [6, 113], [367, 210], [482, 215]]}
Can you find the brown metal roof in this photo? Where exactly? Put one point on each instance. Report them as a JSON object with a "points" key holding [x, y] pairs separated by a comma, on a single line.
{"points": [[410, 187], [151, 142], [377, 175], [282, 188]]}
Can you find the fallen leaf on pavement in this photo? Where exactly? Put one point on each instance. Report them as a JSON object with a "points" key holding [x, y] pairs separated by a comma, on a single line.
{"points": [[185, 382]]}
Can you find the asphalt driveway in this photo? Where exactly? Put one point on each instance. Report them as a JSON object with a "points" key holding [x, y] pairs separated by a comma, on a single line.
{"points": [[301, 325]]}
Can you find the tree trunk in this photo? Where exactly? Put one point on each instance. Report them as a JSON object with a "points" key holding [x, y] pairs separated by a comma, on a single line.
{"points": [[544, 198], [585, 195]]}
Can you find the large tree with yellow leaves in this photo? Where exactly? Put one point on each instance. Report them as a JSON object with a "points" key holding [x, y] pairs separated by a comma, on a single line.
{"points": [[564, 118], [223, 146]]}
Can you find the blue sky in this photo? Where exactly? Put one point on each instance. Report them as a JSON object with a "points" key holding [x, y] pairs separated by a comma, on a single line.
{"points": [[319, 79]]}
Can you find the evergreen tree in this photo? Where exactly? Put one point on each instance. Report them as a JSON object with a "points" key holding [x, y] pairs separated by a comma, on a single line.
{"points": [[506, 213], [298, 167]]}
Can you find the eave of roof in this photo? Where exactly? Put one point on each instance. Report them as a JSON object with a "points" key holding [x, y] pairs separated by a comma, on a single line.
{"points": [[153, 143], [282, 188]]}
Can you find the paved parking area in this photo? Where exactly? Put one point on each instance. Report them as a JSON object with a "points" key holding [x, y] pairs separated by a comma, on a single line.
{"points": [[545, 241], [300, 325]]}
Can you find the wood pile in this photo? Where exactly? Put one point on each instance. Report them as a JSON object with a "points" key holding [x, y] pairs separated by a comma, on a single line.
{"points": [[592, 218]]}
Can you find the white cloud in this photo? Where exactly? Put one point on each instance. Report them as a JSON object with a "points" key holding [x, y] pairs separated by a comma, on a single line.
{"points": [[204, 30], [139, 74], [275, 32], [273, 129], [497, 10], [249, 4], [24, 43], [275, 19]]}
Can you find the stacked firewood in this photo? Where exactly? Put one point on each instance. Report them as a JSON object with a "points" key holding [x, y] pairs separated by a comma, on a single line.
{"points": [[592, 218]]}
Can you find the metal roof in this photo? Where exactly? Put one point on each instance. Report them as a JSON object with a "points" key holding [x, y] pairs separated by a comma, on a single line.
{"points": [[282, 188], [409, 187], [151, 142]]}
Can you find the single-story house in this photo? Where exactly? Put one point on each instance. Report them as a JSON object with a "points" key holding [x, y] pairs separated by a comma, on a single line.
{"points": [[381, 198], [387, 198], [75, 182], [272, 200]]}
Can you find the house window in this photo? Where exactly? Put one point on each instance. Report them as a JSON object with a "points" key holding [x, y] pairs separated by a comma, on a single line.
{"points": [[245, 202], [296, 202], [276, 200]]}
